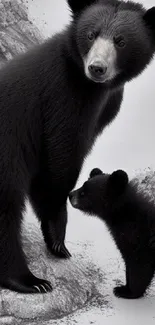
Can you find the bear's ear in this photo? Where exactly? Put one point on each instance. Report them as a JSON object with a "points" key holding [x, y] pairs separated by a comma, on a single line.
{"points": [[118, 181], [78, 5], [95, 172], [149, 18]]}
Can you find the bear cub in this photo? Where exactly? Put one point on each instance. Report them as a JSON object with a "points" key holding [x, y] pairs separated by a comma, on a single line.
{"points": [[130, 217]]}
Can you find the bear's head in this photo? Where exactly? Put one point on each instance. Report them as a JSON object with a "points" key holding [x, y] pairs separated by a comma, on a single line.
{"points": [[100, 193], [115, 40]]}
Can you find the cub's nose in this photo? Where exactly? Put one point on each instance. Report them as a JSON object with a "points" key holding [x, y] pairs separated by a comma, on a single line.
{"points": [[70, 196], [97, 69], [73, 199]]}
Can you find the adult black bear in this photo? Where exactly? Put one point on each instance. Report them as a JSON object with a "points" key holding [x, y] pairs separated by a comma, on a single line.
{"points": [[54, 101], [130, 218]]}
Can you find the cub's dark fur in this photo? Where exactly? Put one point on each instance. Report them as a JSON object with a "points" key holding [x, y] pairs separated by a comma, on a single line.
{"points": [[51, 111], [130, 218]]}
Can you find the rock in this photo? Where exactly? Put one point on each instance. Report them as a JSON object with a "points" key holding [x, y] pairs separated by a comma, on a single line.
{"points": [[145, 181], [73, 283], [17, 32]]}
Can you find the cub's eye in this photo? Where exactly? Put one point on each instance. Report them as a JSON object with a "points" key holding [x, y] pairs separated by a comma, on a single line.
{"points": [[119, 41], [91, 36], [82, 194]]}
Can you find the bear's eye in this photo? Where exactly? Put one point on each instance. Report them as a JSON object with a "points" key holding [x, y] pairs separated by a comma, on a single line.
{"points": [[119, 41], [91, 36]]}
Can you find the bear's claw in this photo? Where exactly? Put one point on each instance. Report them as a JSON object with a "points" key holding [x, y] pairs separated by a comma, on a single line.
{"points": [[29, 284], [60, 250]]}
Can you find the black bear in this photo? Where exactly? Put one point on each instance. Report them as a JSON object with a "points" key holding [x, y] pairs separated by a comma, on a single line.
{"points": [[130, 217], [54, 101]]}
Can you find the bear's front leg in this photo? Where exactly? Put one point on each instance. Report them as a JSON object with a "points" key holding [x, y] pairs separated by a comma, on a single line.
{"points": [[49, 203], [54, 231]]}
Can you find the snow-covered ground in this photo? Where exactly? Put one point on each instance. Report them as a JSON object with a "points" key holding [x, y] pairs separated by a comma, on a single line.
{"points": [[128, 143]]}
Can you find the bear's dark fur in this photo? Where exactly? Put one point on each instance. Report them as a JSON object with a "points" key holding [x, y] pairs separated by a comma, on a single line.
{"points": [[54, 102], [130, 218]]}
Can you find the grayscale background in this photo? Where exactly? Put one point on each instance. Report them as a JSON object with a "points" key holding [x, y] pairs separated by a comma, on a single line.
{"points": [[129, 143]]}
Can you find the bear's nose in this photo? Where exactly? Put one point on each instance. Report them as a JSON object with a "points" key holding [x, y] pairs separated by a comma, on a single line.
{"points": [[97, 69]]}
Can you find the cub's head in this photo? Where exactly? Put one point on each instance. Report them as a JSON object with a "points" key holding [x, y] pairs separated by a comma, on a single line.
{"points": [[115, 39], [100, 192]]}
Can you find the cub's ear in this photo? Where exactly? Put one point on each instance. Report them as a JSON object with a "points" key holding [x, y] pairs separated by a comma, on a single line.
{"points": [[118, 181], [149, 18], [78, 5], [95, 172]]}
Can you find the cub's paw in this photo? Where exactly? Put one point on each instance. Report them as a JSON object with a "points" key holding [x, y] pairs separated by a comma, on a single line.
{"points": [[59, 249], [124, 292], [121, 292], [27, 284]]}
